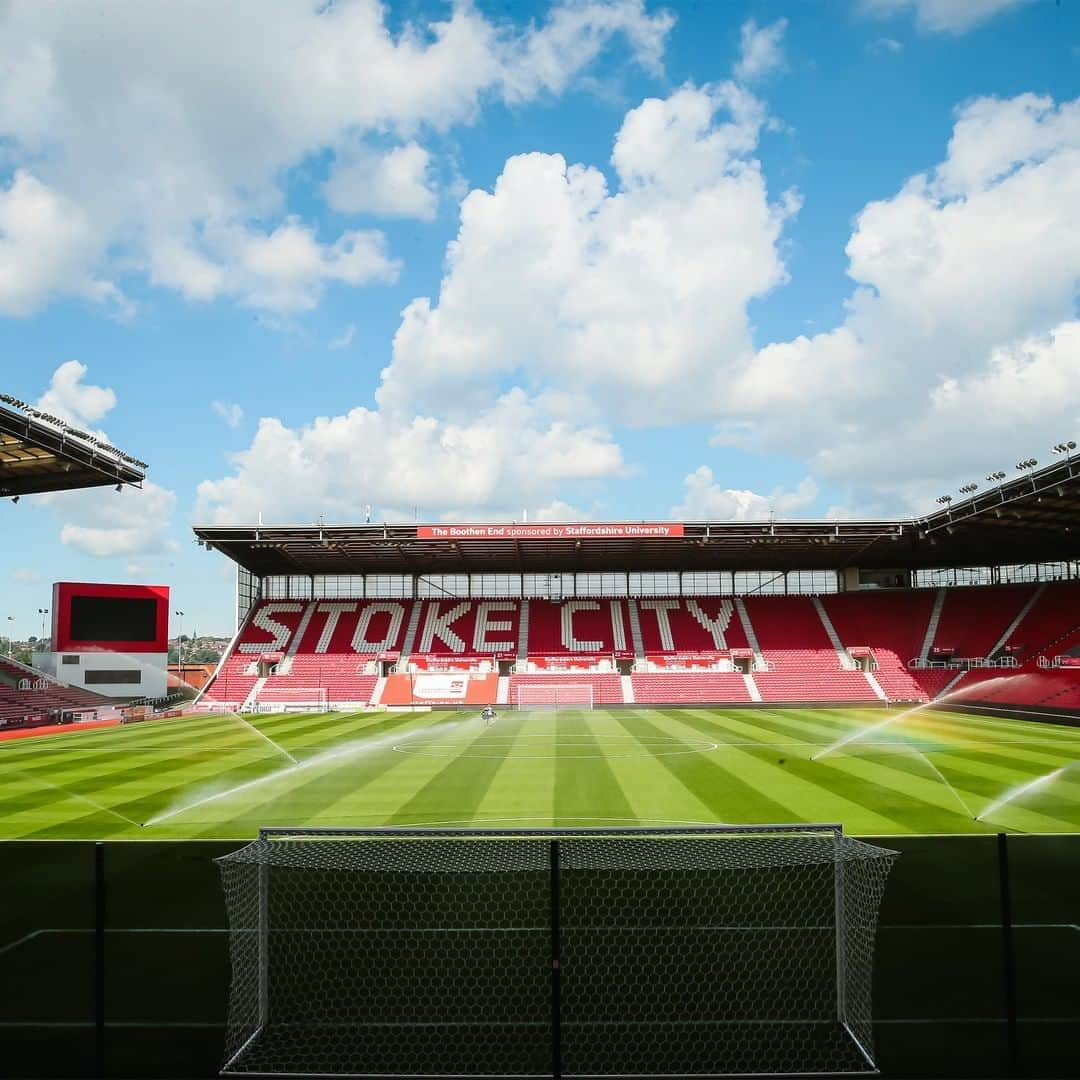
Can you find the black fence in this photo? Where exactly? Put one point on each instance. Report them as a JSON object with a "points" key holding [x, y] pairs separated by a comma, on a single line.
{"points": [[114, 958]]}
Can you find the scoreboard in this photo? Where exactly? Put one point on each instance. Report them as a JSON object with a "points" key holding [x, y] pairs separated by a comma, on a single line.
{"points": [[112, 639], [113, 618]]}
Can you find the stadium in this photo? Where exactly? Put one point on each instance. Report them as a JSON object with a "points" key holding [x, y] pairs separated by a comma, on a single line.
{"points": [[785, 714]]}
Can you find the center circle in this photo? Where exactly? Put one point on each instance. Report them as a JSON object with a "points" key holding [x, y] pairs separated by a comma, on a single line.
{"points": [[556, 745]]}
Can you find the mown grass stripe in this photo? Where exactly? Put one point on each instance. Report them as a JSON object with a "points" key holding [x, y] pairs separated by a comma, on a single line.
{"points": [[801, 781], [654, 792], [454, 792], [585, 786], [143, 807], [728, 796], [523, 788], [304, 794], [882, 765]]}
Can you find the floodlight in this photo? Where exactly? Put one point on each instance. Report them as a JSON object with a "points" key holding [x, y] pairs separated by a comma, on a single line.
{"points": [[944, 499], [967, 489], [999, 475]]}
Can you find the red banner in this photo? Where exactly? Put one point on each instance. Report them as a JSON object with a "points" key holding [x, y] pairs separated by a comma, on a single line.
{"points": [[644, 530]]}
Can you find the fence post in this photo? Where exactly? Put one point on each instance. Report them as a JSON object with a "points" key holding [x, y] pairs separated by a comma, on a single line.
{"points": [[99, 958], [1008, 958], [839, 925], [556, 970]]}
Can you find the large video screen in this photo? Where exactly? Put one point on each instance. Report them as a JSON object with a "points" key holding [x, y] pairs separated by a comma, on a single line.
{"points": [[113, 618]]}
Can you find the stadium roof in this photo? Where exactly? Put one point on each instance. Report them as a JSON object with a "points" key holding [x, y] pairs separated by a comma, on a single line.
{"points": [[1034, 518], [39, 452]]}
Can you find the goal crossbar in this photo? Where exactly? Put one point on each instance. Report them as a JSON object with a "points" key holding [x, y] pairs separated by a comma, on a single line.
{"points": [[554, 695]]}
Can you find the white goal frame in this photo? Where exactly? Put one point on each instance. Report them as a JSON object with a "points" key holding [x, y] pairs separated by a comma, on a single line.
{"points": [[308, 699], [567, 695], [844, 853]]}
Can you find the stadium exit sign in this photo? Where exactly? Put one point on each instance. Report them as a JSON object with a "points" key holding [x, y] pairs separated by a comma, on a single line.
{"points": [[606, 531]]}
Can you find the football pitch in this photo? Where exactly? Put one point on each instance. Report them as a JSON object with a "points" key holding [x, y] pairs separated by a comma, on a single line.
{"points": [[879, 772]]}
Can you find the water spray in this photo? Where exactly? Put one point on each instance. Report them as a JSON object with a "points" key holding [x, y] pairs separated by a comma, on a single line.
{"points": [[263, 735], [1022, 789], [944, 779], [339, 752], [859, 733]]}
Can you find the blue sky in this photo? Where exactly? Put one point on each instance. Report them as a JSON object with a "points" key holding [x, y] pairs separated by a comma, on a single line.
{"points": [[680, 260]]}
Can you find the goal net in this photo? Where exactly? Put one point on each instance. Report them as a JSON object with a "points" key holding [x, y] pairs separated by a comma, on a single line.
{"points": [[293, 699], [554, 696], [602, 952]]}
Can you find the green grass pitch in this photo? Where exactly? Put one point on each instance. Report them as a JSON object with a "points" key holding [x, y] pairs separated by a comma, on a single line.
{"points": [[922, 771]]}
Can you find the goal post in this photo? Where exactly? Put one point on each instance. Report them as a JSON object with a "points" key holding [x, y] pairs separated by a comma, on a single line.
{"points": [[708, 951], [314, 699], [553, 696]]}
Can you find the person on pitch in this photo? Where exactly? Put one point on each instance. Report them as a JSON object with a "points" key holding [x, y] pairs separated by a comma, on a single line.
{"points": [[487, 714]]}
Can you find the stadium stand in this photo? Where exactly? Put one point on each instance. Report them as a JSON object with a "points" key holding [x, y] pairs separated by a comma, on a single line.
{"points": [[803, 664], [845, 647], [700, 624], [592, 631], [689, 688], [1053, 616], [973, 620], [892, 625], [29, 697]]}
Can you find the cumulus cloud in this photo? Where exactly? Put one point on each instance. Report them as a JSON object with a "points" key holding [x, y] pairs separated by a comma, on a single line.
{"points": [[48, 246], [139, 142], [630, 301], [397, 183], [942, 16], [230, 412], [505, 456], [704, 499], [71, 399], [966, 291], [106, 523], [761, 50], [285, 270], [25, 575], [98, 521]]}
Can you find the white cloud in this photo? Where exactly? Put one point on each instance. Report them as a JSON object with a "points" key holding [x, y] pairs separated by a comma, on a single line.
{"points": [[48, 246], [942, 16], [630, 302], [885, 45], [230, 412], [506, 455], [398, 183], [99, 521], [140, 142], [74, 401], [344, 339], [25, 575], [285, 270], [704, 499], [761, 50], [107, 523], [956, 342]]}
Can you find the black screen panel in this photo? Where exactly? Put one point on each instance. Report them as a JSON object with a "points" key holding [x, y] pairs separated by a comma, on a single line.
{"points": [[113, 618]]}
